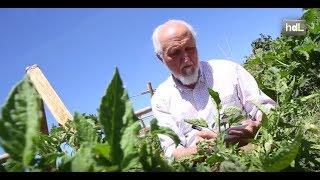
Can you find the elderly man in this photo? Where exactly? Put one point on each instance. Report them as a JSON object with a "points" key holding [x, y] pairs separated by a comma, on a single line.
{"points": [[184, 94]]}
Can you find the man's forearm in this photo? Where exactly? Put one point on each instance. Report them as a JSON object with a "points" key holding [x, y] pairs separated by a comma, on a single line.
{"points": [[180, 152]]}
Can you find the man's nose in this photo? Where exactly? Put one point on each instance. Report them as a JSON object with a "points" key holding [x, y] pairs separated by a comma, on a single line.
{"points": [[185, 56]]}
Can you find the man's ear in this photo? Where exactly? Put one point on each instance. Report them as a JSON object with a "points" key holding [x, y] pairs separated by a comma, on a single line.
{"points": [[159, 57]]}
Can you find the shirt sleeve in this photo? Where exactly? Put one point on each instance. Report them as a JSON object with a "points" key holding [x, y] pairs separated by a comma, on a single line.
{"points": [[164, 118], [249, 92]]}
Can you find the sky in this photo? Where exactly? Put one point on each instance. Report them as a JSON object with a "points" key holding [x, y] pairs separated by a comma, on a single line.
{"points": [[78, 49]]}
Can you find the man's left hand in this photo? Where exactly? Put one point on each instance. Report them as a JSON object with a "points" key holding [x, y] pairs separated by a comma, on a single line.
{"points": [[242, 134]]}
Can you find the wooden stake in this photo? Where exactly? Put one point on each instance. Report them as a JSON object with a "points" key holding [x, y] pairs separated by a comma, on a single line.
{"points": [[149, 87], [48, 94]]}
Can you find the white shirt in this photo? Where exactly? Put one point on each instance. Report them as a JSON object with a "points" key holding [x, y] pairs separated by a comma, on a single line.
{"points": [[173, 103]]}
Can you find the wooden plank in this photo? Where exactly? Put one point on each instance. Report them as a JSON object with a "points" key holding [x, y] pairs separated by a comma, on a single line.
{"points": [[143, 111], [49, 95]]}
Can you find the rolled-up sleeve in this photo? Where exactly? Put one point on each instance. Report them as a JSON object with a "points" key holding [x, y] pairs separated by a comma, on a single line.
{"points": [[249, 92]]}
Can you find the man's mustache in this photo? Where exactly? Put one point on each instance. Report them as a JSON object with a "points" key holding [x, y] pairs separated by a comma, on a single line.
{"points": [[187, 65]]}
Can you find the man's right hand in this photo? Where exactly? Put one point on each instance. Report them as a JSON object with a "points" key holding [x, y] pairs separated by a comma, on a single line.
{"points": [[206, 134], [203, 135]]}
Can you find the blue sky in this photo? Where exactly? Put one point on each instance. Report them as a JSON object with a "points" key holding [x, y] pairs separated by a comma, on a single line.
{"points": [[78, 49]]}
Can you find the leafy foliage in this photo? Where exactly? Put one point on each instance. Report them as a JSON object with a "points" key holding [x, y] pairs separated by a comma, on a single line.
{"points": [[19, 125], [104, 143], [197, 122]]}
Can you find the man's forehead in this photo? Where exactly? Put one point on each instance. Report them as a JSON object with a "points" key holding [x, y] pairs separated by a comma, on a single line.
{"points": [[173, 31]]}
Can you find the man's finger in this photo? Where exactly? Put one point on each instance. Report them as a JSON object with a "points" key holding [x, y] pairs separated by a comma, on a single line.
{"points": [[240, 127], [207, 134], [236, 133], [232, 139], [244, 133]]}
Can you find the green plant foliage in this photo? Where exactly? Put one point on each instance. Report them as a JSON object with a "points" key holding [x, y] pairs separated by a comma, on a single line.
{"points": [[19, 125]]}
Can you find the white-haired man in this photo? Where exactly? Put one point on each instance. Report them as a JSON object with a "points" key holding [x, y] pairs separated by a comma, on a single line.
{"points": [[184, 94]]}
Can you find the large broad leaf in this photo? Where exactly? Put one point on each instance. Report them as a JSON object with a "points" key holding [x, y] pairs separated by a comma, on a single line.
{"points": [[119, 122], [91, 158], [128, 145], [83, 160], [130, 131], [284, 156], [20, 122]]}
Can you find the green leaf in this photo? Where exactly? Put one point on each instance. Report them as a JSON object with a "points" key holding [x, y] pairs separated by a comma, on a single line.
{"points": [[145, 158], [260, 106], [2, 169], [268, 145], [203, 167], [14, 166], [88, 159], [155, 129], [102, 150], [150, 154], [215, 97], [233, 115], [169, 132], [310, 15], [111, 112], [20, 122], [216, 100], [306, 54], [284, 156], [305, 48], [64, 163], [129, 146], [197, 122], [215, 158], [85, 131], [83, 160], [230, 166], [154, 125], [119, 123], [306, 98]]}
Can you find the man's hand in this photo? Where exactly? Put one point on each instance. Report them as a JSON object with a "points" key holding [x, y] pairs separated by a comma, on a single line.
{"points": [[242, 134], [206, 134], [203, 135]]}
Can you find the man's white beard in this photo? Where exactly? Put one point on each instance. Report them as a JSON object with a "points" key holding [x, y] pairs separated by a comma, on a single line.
{"points": [[190, 78]]}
